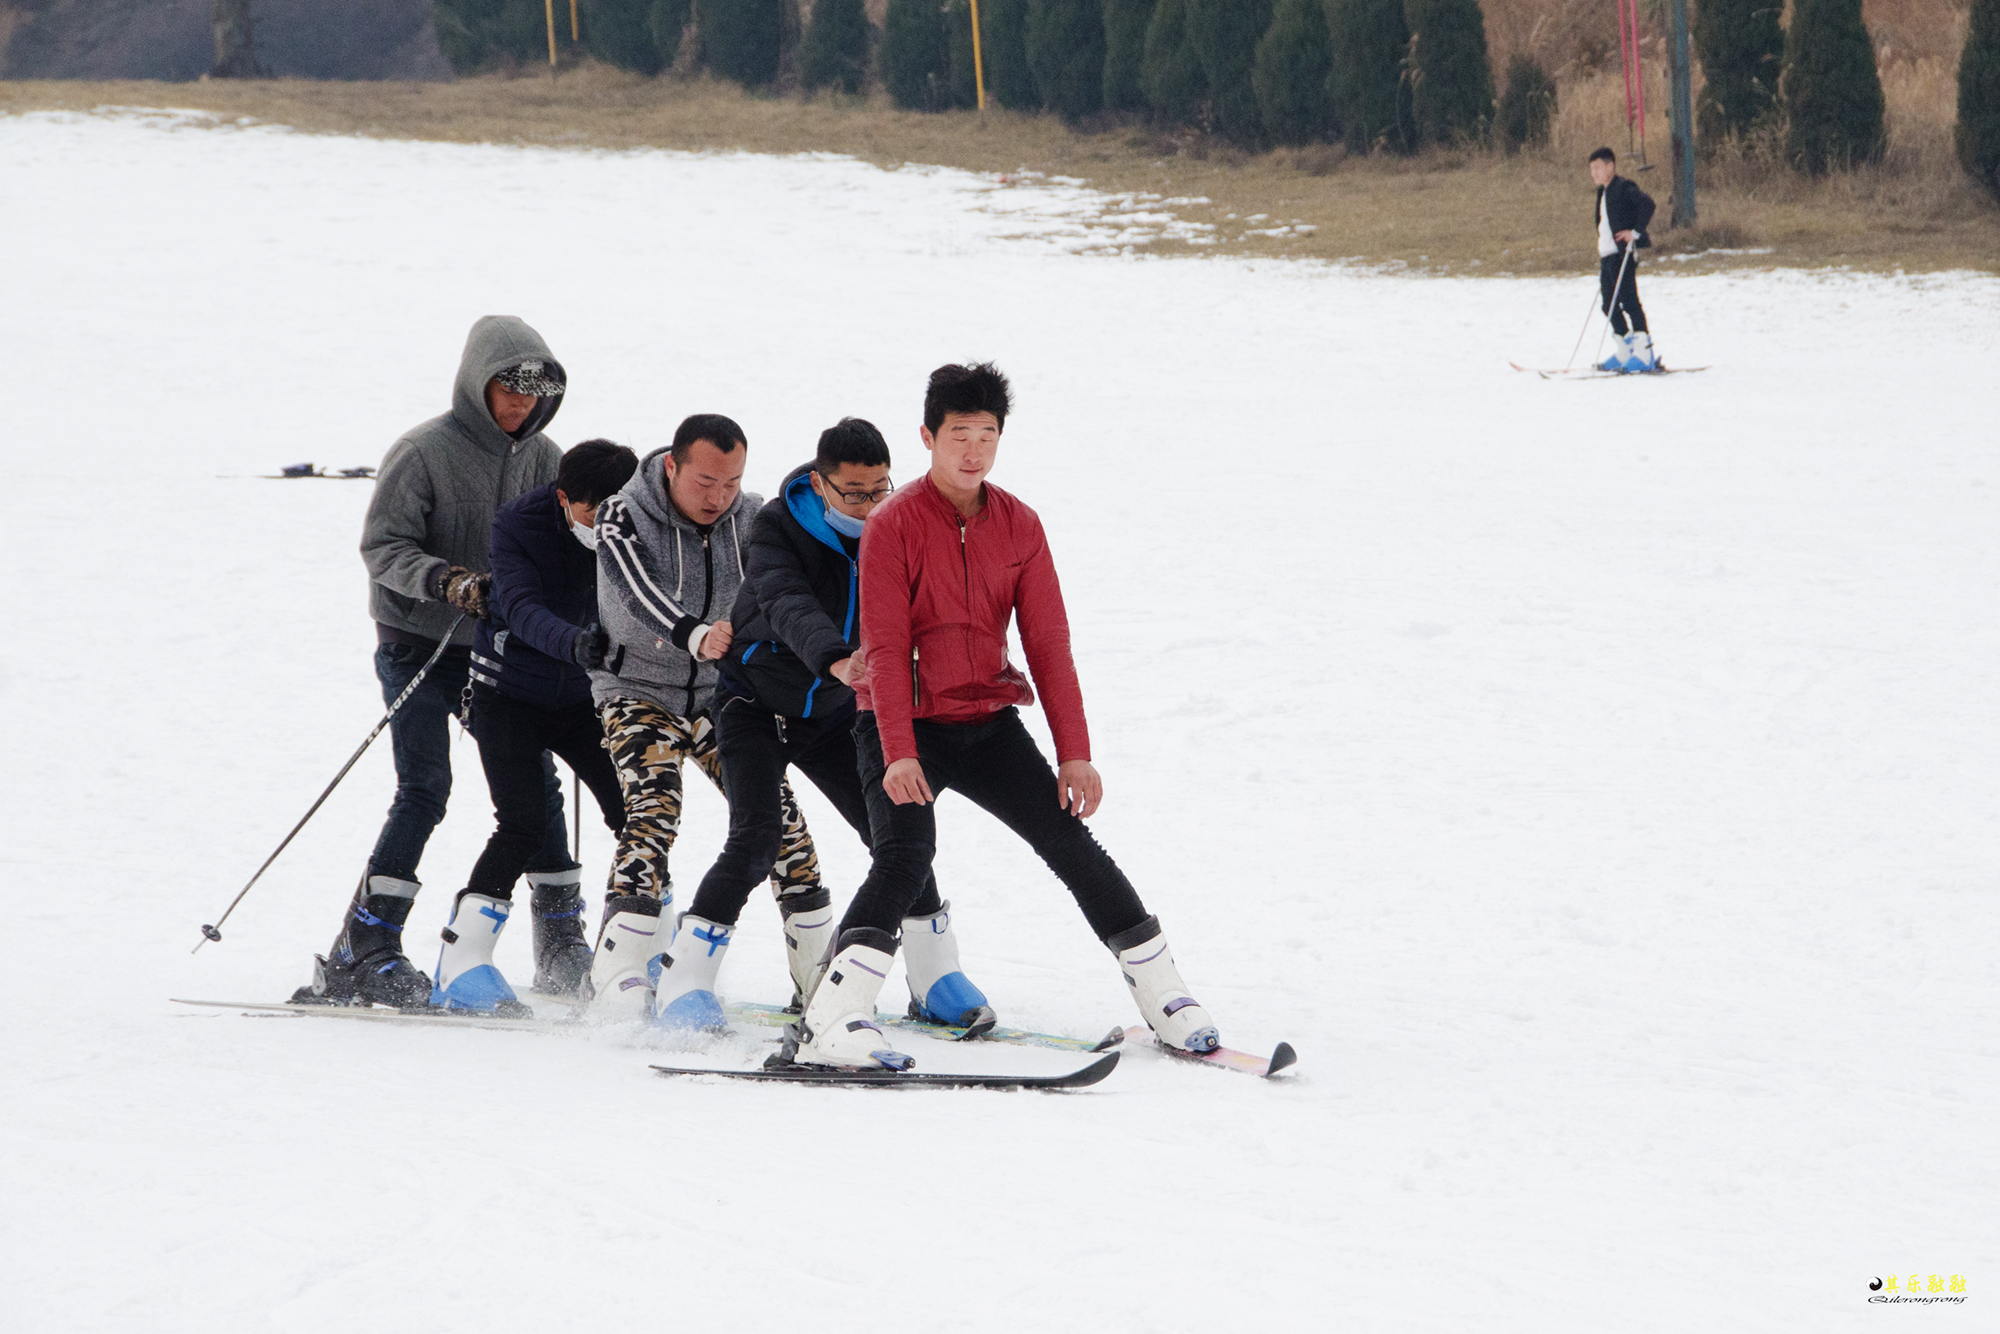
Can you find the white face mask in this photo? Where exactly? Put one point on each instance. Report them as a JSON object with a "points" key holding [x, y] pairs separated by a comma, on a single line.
{"points": [[587, 536]]}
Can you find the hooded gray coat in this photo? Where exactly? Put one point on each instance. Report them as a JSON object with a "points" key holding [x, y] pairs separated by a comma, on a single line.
{"points": [[440, 484], [660, 578]]}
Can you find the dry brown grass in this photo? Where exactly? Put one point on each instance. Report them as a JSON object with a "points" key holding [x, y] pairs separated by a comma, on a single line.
{"points": [[1471, 212]]}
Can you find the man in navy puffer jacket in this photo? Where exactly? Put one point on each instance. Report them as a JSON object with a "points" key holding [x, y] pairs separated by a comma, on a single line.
{"points": [[530, 697]]}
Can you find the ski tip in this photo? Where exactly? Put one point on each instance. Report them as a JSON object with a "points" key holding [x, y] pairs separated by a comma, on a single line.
{"points": [[1110, 1040], [1095, 1072], [1282, 1058]]}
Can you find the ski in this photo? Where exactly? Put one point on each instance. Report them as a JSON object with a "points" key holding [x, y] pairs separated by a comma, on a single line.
{"points": [[1282, 1056], [774, 1016], [909, 1079], [384, 1014], [1593, 373]]}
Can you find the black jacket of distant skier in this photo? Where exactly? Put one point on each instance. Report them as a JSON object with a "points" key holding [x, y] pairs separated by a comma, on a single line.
{"points": [[799, 610], [544, 591], [1630, 209]]}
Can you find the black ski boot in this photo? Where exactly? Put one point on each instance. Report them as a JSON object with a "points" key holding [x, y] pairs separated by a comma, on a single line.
{"points": [[366, 965], [562, 952]]}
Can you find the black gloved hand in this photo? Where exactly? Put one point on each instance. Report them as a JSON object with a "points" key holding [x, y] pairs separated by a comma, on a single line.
{"points": [[464, 589], [590, 646]]}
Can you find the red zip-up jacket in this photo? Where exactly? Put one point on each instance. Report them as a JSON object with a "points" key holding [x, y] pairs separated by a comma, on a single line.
{"points": [[937, 591]]}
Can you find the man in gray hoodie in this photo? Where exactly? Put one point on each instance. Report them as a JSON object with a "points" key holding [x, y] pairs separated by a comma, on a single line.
{"points": [[425, 542], [669, 565]]}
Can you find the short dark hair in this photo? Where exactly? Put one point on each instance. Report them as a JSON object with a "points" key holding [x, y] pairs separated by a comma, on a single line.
{"points": [[1604, 155], [594, 470], [977, 387], [850, 440], [713, 427]]}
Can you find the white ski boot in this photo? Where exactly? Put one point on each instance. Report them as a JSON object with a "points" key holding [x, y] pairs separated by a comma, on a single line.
{"points": [[809, 924], [465, 978], [621, 973], [939, 992], [1621, 352], [684, 996], [1148, 965], [838, 1027], [1639, 352]]}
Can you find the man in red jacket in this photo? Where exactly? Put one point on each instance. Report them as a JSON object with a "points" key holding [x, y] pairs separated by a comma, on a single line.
{"points": [[945, 564]]}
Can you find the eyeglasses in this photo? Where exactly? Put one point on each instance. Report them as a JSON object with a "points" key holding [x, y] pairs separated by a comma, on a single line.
{"points": [[875, 497]]}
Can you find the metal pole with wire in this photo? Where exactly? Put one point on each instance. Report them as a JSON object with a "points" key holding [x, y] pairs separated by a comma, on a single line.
{"points": [[214, 932], [978, 65]]}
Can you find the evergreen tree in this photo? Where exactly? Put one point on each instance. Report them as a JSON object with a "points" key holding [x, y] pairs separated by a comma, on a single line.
{"points": [[1293, 61], [1176, 89], [1528, 106], [1065, 48], [1451, 92], [478, 35], [1368, 81], [1978, 133], [621, 33], [910, 59], [1003, 49], [740, 39], [834, 52], [667, 20], [962, 81], [1833, 98], [1125, 24], [1740, 44], [1225, 34]]}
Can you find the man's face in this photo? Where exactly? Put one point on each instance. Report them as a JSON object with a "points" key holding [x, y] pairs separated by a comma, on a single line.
{"points": [[577, 511], [509, 409], [1602, 171], [963, 450], [855, 489], [706, 485]]}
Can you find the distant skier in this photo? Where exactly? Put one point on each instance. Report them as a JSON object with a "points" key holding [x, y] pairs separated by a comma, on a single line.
{"points": [[783, 699], [669, 564], [1621, 213], [530, 696], [425, 544], [946, 564]]}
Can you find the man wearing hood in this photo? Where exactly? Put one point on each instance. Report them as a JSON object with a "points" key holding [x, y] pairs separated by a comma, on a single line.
{"points": [[784, 698], [669, 566], [425, 543]]}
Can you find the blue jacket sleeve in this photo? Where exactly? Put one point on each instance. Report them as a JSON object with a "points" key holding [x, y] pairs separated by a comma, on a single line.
{"points": [[520, 596]]}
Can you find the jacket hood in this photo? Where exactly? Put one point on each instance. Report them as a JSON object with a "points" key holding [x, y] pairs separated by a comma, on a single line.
{"points": [[806, 506], [498, 343], [647, 491]]}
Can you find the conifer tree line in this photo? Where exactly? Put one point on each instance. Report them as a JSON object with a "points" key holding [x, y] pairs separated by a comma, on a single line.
{"points": [[1376, 75]]}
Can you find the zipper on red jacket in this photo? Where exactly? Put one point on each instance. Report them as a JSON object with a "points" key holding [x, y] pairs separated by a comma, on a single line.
{"points": [[916, 696]]}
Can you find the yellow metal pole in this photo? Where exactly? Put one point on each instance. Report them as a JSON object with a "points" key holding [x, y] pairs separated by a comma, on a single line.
{"points": [[575, 33], [550, 7], [978, 69]]}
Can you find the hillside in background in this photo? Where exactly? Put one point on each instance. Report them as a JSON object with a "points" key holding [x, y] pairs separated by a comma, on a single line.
{"points": [[170, 39]]}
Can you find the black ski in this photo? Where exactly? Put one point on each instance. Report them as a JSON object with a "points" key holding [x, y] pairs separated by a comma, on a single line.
{"points": [[910, 1079]]}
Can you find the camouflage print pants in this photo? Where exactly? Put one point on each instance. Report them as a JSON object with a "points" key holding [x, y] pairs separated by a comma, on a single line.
{"points": [[648, 744]]}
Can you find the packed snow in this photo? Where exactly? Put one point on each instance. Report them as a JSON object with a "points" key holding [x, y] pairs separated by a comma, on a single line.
{"points": [[1594, 781]]}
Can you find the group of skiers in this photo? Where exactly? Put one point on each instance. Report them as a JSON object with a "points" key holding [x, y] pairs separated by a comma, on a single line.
{"points": [[629, 614]]}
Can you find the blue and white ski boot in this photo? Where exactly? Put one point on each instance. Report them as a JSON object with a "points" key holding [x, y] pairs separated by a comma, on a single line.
{"points": [[1621, 352], [940, 993], [1148, 965], [465, 978], [684, 998], [839, 1026], [622, 971], [1639, 353]]}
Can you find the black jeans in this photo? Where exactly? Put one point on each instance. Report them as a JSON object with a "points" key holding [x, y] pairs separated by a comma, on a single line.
{"points": [[515, 740], [998, 767], [756, 747], [420, 735], [1620, 300]]}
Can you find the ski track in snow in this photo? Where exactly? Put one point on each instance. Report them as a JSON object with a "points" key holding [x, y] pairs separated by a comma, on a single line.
{"points": [[1594, 781]]}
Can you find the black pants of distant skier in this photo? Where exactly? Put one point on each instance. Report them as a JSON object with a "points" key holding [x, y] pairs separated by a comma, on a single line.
{"points": [[1620, 300], [420, 735], [648, 744], [996, 765], [757, 746], [514, 742]]}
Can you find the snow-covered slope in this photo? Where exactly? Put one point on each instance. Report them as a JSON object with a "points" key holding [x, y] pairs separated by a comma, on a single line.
{"points": [[1596, 782]]}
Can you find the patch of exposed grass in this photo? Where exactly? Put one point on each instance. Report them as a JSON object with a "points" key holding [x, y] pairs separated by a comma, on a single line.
{"points": [[1469, 212]]}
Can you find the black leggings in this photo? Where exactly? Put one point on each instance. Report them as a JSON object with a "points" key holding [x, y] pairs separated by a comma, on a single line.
{"points": [[998, 767], [1621, 300], [513, 738], [757, 745]]}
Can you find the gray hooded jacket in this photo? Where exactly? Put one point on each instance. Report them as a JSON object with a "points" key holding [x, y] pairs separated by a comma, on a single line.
{"points": [[660, 578], [440, 484]]}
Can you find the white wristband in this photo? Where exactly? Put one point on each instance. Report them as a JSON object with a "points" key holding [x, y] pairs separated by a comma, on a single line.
{"points": [[694, 640]]}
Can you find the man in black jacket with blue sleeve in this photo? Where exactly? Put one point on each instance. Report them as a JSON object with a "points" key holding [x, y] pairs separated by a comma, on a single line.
{"points": [[783, 698]]}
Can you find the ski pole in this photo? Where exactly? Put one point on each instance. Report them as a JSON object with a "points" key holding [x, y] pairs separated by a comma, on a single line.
{"points": [[1581, 334], [214, 932], [1616, 288]]}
